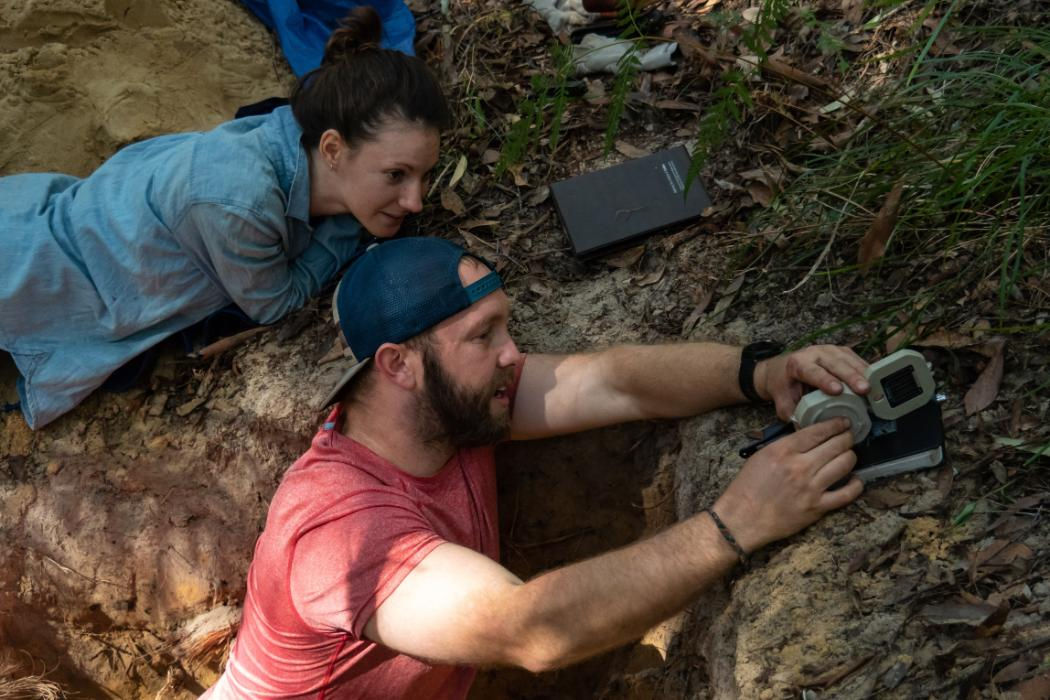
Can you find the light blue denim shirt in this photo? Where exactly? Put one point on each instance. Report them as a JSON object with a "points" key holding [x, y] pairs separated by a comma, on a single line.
{"points": [[93, 271]]}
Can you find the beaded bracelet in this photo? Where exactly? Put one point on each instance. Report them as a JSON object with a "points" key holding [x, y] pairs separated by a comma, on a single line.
{"points": [[728, 536]]}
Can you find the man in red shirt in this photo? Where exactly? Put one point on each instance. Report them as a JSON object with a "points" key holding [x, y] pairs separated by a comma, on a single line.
{"points": [[378, 575]]}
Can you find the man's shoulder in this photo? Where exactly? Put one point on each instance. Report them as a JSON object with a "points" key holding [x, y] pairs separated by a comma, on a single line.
{"points": [[336, 470], [332, 474]]}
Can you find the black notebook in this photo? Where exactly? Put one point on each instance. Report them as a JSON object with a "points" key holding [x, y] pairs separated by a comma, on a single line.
{"points": [[607, 208]]}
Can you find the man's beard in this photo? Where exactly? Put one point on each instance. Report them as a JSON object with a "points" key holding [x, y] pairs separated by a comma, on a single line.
{"points": [[458, 416]]}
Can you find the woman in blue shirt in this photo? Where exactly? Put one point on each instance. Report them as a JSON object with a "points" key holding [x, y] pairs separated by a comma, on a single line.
{"points": [[261, 212]]}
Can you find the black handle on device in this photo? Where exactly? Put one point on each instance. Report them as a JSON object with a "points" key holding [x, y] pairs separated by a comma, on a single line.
{"points": [[770, 433]]}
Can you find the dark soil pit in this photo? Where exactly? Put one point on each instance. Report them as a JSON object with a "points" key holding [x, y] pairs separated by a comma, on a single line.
{"points": [[568, 499]]}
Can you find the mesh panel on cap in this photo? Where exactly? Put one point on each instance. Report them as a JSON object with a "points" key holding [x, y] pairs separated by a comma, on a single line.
{"points": [[417, 293], [401, 289]]}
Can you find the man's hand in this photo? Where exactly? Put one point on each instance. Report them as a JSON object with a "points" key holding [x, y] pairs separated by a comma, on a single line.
{"points": [[784, 487], [784, 379]]}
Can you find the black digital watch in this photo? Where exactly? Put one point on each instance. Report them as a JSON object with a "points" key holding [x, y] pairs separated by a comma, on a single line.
{"points": [[751, 356]]}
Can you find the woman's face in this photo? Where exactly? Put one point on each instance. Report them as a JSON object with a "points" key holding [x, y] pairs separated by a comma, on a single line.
{"points": [[382, 180]]}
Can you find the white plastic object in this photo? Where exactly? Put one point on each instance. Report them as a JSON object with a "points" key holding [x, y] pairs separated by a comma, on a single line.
{"points": [[817, 406], [900, 383], [596, 53]]}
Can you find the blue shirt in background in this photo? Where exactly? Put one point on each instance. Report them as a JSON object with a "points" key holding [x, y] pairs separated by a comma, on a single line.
{"points": [[94, 271], [303, 26]]}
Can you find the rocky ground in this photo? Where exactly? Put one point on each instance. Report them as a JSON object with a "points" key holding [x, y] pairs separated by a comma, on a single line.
{"points": [[128, 524]]}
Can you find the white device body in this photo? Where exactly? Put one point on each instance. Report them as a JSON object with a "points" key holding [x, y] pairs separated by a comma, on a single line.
{"points": [[900, 383]]}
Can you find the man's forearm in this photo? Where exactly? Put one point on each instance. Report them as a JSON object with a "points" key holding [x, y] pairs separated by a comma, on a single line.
{"points": [[672, 381], [583, 609]]}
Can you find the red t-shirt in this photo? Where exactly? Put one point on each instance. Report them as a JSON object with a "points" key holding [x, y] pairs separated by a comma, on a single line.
{"points": [[344, 529]]}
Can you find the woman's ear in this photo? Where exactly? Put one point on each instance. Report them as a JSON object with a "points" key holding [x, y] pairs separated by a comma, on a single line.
{"points": [[331, 147], [398, 364]]}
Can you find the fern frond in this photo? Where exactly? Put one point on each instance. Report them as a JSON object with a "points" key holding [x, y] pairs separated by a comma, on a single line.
{"points": [[717, 120], [564, 67], [626, 71]]}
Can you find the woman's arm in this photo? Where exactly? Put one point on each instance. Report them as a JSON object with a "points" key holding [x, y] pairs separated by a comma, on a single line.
{"points": [[248, 257]]}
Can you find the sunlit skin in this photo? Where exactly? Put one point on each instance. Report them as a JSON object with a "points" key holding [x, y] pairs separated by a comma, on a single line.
{"points": [[475, 349], [379, 181], [475, 346]]}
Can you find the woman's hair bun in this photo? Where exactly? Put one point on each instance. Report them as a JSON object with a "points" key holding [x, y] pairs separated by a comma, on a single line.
{"points": [[361, 30]]}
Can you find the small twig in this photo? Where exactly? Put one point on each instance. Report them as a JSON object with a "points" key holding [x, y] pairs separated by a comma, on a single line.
{"points": [[68, 570], [827, 247], [667, 496], [228, 343], [513, 238], [549, 251], [817, 262]]}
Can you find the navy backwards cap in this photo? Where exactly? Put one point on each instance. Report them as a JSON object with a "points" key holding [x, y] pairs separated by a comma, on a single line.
{"points": [[397, 290]]}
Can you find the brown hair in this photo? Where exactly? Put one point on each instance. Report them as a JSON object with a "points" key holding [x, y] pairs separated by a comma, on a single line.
{"points": [[359, 86]]}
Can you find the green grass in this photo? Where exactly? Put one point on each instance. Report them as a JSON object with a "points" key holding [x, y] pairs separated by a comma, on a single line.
{"points": [[969, 136]]}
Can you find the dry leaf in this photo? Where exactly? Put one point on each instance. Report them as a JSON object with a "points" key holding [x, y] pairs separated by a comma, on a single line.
{"points": [[489, 156], [1000, 554], [539, 288], [853, 11], [631, 151], [451, 201], [979, 328], [474, 243], [518, 172], [1029, 502], [885, 498], [671, 242], [986, 388], [1016, 411], [1037, 688], [692, 47], [993, 549], [457, 174], [1008, 554], [650, 278], [728, 295], [994, 624], [873, 245], [701, 306], [626, 258], [538, 196], [760, 193], [678, 104], [496, 210], [836, 674], [771, 176], [946, 339], [191, 405], [972, 614], [894, 342], [728, 185], [478, 223], [856, 43], [1015, 671], [784, 70], [1013, 525]]}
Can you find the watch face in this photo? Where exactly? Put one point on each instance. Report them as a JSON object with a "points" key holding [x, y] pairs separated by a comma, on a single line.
{"points": [[763, 349]]}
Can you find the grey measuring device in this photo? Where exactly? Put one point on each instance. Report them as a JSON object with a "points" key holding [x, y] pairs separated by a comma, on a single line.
{"points": [[896, 427]]}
